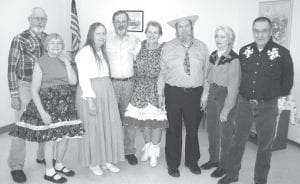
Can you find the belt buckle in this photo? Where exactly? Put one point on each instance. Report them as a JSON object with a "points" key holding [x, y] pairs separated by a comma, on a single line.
{"points": [[253, 101], [186, 90]]}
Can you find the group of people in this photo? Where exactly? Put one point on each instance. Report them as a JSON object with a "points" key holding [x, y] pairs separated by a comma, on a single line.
{"points": [[125, 84]]}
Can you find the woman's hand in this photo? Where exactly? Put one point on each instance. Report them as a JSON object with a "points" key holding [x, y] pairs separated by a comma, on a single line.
{"points": [[223, 116], [46, 117], [161, 102], [92, 106], [65, 58]]}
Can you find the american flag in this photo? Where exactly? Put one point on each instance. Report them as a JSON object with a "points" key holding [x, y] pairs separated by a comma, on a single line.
{"points": [[76, 38]]}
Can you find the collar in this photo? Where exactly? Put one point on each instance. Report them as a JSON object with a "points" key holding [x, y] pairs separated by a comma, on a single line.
{"points": [[115, 36], [178, 42], [269, 45]]}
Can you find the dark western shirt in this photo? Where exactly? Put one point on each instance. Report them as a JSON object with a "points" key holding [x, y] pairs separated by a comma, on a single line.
{"points": [[266, 74], [25, 49]]}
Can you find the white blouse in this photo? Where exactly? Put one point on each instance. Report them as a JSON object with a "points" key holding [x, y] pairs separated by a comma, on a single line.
{"points": [[89, 68]]}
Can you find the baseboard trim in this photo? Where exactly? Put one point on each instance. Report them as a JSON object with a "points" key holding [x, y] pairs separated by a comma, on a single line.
{"points": [[5, 129], [294, 143]]}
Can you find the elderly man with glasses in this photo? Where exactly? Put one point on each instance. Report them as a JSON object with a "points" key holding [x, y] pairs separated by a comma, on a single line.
{"points": [[25, 49]]}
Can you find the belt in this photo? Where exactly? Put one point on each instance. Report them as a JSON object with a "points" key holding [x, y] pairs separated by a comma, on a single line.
{"points": [[185, 90], [121, 79], [255, 101]]}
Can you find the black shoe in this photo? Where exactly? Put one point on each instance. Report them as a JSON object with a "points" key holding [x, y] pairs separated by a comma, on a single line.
{"points": [[67, 173], [18, 176], [44, 161], [174, 172], [209, 165], [51, 178], [132, 160], [195, 169], [40, 161], [219, 172], [227, 180]]}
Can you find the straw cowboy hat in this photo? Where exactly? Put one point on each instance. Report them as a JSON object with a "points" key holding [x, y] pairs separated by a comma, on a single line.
{"points": [[192, 18]]}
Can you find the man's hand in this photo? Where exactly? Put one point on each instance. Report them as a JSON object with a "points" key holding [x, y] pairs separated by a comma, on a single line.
{"points": [[16, 103], [203, 103]]}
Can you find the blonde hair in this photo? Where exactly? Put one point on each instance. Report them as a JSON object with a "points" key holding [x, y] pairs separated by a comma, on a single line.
{"points": [[51, 37], [229, 32]]}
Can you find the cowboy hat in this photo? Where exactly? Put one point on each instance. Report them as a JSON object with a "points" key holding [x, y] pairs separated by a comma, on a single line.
{"points": [[192, 18]]}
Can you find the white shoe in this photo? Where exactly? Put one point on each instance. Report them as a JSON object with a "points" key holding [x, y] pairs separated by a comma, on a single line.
{"points": [[96, 170], [154, 153], [145, 156], [111, 167]]}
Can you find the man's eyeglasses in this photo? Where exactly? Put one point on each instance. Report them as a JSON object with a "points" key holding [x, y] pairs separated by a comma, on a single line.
{"points": [[42, 19]]}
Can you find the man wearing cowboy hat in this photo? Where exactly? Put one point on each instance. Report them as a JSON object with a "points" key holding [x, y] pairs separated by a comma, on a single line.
{"points": [[181, 82]]}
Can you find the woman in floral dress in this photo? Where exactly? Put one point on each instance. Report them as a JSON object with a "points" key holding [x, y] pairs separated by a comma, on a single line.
{"points": [[144, 110], [51, 116]]}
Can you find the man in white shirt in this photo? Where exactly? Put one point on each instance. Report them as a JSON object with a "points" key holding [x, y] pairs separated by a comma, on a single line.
{"points": [[121, 50]]}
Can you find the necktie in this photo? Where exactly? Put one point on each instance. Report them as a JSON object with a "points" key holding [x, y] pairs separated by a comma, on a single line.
{"points": [[186, 63]]}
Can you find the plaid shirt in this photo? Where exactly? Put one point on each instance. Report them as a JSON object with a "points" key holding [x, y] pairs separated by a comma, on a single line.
{"points": [[25, 49]]}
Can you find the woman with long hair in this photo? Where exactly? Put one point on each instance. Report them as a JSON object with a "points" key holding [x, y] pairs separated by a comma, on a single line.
{"points": [[102, 144]]}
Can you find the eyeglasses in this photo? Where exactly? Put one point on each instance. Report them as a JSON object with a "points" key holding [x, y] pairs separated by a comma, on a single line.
{"points": [[55, 43], [42, 19]]}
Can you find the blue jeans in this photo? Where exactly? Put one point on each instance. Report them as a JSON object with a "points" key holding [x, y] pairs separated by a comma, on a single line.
{"points": [[219, 134], [265, 117], [17, 152], [123, 91]]}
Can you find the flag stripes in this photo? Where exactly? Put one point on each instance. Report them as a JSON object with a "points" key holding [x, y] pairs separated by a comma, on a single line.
{"points": [[75, 31]]}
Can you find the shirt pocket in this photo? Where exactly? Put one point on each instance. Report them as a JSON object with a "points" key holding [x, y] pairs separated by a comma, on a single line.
{"points": [[33, 48], [272, 67]]}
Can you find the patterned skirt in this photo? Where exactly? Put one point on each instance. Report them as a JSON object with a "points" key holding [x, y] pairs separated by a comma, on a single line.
{"points": [[59, 102]]}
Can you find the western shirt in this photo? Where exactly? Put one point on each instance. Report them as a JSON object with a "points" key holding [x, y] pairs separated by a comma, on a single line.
{"points": [[225, 71], [172, 65], [266, 74], [121, 53], [25, 49]]}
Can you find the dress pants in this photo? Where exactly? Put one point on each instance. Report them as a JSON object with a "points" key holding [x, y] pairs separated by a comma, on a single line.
{"points": [[124, 91], [17, 152], [182, 104], [265, 117], [219, 134]]}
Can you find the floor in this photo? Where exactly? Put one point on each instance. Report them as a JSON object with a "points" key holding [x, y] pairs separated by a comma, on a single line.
{"points": [[284, 169]]}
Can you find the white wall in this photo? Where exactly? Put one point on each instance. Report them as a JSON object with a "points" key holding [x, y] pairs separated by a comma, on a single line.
{"points": [[211, 13]]}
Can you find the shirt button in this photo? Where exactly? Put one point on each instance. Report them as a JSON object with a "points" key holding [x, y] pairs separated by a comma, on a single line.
{"points": [[257, 63], [255, 72]]}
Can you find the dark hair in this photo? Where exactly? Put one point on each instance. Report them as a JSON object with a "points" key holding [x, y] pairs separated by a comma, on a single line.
{"points": [[90, 41], [119, 12], [154, 24], [262, 19]]}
